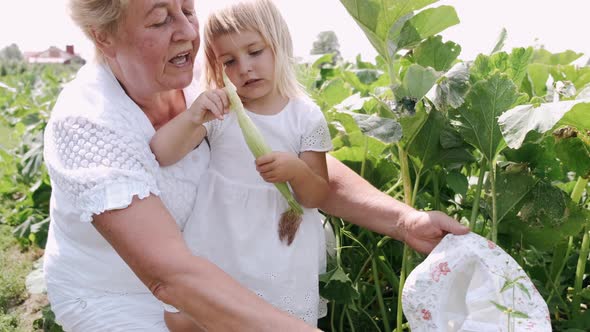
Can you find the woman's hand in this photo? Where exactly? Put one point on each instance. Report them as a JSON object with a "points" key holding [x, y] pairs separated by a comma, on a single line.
{"points": [[423, 230], [211, 104]]}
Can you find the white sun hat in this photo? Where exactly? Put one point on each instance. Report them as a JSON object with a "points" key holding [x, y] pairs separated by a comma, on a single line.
{"points": [[469, 284]]}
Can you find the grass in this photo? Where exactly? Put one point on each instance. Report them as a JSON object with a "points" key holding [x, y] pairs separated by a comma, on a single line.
{"points": [[15, 267]]}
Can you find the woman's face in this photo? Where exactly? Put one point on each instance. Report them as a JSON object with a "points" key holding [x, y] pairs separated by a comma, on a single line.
{"points": [[156, 44]]}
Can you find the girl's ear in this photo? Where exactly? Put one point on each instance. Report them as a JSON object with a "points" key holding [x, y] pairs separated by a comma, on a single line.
{"points": [[105, 42]]}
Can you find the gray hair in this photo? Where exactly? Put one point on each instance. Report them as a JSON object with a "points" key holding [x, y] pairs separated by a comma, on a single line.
{"points": [[98, 15]]}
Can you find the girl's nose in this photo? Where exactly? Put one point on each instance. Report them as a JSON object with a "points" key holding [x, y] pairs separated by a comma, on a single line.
{"points": [[245, 66]]}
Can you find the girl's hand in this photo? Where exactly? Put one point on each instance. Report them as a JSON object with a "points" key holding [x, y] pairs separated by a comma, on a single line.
{"points": [[211, 104], [278, 166]]}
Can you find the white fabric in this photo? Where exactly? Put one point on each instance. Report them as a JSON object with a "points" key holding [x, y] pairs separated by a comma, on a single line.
{"points": [[98, 157], [455, 287], [235, 222]]}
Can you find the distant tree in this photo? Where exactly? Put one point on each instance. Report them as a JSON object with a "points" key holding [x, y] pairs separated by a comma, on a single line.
{"points": [[326, 42], [11, 53]]}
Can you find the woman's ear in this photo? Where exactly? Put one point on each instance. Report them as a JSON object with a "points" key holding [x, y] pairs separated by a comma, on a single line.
{"points": [[105, 42]]}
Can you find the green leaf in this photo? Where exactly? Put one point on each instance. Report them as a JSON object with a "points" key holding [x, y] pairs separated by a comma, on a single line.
{"points": [[523, 288], [386, 130], [547, 216], [436, 54], [458, 183], [452, 87], [425, 24], [578, 117], [575, 154], [333, 92], [519, 61], [564, 58], [487, 100], [519, 314], [538, 76], [426, 148], [512, 188], [517, 122], [500, 307], [417, 82], [500, 42], [377, 17], [335, 285]]}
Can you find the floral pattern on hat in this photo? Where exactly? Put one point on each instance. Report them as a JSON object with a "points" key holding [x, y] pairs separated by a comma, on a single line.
{"points": [[469, 283]]}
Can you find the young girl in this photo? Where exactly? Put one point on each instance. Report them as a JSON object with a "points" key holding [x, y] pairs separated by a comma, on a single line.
{"points": [[237, 213]]}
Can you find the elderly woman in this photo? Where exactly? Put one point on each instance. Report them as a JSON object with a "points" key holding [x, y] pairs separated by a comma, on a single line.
{"points": [[115, 249]]}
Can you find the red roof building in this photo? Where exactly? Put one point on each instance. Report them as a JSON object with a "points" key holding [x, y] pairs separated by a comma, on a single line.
{"points": [[54, 55]]}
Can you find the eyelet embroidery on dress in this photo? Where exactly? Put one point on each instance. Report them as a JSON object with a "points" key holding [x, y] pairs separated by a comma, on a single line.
{"points": [[318, 140]]}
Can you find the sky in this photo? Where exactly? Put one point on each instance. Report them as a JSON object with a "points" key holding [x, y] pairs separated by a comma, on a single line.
{"points": [[34, 25]]}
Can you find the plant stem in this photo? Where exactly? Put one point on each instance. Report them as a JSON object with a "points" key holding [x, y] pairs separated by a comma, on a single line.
{"points": [[477, 194], [435, 187], [407, 182], [365, 151], [379, 294], [584, 250], [579, 189], [582, 259], [494, 201]]}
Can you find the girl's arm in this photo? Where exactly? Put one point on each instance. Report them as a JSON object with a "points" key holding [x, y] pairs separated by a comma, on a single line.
{"points": [[182, 134], [145, 235], [307, 174], [176, 139]]}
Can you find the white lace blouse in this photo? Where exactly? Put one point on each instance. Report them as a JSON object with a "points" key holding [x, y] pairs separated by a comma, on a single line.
{"points": [[98, 157]]}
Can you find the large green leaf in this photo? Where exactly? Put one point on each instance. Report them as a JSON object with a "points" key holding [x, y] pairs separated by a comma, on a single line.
{"points": [[425, 24], [386, 130], [390, 25], [436, 54], [517, 122], [451, 88], [511, 187], [377, 17], [426, 149], [578, 117], [564, 58], [540, 156], [546, 217], [575, 154], [487, 100], [332, 93], [417, 82]]}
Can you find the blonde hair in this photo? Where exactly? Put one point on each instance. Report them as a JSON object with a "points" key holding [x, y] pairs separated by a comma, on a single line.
{"points": [[99, 15], [260, 16]]}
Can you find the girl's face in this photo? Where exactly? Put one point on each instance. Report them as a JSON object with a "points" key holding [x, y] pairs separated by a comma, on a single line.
{"points": [[156, 44], [249, 64]]}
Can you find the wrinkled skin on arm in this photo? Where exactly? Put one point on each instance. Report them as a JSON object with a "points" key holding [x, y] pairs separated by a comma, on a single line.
{"points": [[357, 201]]}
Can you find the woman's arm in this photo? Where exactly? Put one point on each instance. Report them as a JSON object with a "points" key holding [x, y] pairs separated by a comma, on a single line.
{"points": [[147, 238], [355, 200], [307, 174]]}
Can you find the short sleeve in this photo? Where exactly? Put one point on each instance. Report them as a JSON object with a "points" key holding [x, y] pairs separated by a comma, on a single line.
{"points": [[316, 136], [98, 168]]}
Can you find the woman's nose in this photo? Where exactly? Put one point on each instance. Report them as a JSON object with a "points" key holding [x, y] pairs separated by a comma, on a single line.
{"points": [[187, 29]]}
